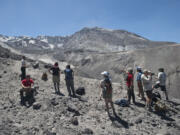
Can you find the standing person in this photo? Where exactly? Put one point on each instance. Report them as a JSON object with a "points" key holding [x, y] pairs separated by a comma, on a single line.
{"points": [[147, 86], [139, 83], [162, 81], [130, 85], [55, 71], [69, 78], [106, 92], [23, 68], [27, 89]]}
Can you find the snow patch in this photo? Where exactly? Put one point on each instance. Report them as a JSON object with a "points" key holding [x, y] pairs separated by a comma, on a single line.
{"points": [[59, 45], [24, 44], [133, 36], [44, 40], [3, 39], [32, 42], [106, 29], [51, 46]]}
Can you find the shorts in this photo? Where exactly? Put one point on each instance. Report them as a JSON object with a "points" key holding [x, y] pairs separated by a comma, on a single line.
{"points": [[163, 88], [149, 93], [56, 79]]}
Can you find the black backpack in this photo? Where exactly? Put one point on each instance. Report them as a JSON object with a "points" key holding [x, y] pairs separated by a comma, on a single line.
{"points": [[156, 96], [80, 91], [44, 76]]}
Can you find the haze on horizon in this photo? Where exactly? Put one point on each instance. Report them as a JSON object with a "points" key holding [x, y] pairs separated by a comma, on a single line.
{"points": [[152, 19]]}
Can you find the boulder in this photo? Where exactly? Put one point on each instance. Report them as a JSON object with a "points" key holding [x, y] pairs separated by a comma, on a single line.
{"points": [[87, 131], [74, 121], [36, 106]]}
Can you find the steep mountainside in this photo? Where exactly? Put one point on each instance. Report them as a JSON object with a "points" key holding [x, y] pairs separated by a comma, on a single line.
{"points": [[104, 40], [88, 39]]}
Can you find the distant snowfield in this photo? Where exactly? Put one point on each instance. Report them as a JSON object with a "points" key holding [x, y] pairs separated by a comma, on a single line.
{"points": [[44, 40], [137, 37], [32, 42], [51, 46]]}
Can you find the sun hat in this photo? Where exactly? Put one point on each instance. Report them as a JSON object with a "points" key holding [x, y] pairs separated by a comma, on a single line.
{"points": [[105, 73]]}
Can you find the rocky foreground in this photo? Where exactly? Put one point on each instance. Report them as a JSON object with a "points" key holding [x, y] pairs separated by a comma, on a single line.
{"points": [[53, 114]]}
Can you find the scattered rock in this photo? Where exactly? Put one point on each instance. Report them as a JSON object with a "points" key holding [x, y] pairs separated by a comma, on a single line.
{"points": [[54, 102], [48, 66], [49, 133], [116, 124], [36, 106], [138, 120], [72, 108], [87, 131], [74, 121]]}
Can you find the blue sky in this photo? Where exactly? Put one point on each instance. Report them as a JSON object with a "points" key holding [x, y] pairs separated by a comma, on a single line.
{"points": [[154, 19]]}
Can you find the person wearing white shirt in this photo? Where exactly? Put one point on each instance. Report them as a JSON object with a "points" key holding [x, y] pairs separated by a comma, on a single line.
{"points": [[23, 68], [162, 81], [146, 79]]}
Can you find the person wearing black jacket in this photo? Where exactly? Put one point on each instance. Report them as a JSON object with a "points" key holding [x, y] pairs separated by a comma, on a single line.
{"points": [[55, 71]]}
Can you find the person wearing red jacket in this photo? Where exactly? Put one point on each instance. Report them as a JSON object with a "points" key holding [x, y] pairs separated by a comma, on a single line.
{"points": [[130, 85], [27, 89]]}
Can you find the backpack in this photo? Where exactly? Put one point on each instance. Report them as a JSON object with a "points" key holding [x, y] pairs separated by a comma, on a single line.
{"points": [[68, 74], [44, 76], [156, 96], [80, 91], [122, 102], [160, 107]]}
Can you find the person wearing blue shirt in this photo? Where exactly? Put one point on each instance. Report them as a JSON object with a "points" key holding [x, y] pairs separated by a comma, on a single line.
{"points": [[139, 83]]}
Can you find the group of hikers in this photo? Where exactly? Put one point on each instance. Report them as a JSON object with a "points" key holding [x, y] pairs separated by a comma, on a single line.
{"points": [[144, 84], [143, 79], [26, 93]]}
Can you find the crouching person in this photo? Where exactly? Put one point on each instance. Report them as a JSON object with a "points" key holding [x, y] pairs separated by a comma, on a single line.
{"points": [[106, 86], [26, 93]]}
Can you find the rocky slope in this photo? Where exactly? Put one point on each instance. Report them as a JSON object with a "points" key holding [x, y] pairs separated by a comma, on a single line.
{"points": [[53, 114], [92, 64]]}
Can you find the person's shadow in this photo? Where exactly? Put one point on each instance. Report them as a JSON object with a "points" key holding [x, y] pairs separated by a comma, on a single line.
{"points": [[138, 104], [164, 116], [119, 120]]}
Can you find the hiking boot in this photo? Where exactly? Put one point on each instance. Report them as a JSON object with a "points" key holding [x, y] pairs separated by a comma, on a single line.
{"points": [[134, 102], [129, 102], [150, 109], [109, 114], [22, 102], [114, 112], [143, 99]]}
